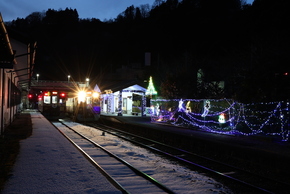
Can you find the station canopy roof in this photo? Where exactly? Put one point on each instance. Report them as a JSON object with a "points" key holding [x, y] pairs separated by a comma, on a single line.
{"points": [[55, 85], [132, 86]]}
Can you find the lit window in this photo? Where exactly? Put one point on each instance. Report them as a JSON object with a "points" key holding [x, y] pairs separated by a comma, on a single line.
{"points": [[46, 99], [54, 99]]}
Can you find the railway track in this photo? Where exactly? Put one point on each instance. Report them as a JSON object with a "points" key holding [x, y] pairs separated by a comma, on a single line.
{"points": [[119, 172], [243, 181]]}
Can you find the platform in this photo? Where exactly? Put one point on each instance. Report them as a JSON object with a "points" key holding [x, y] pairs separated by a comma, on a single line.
{"points": [[48, 163]]}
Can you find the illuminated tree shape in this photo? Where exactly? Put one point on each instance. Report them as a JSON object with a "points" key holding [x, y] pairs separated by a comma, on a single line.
{"points": [[151, 89]]}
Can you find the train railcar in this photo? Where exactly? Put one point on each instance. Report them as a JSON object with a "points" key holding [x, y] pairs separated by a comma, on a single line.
{"points": [[85, 106], [52, 104]]}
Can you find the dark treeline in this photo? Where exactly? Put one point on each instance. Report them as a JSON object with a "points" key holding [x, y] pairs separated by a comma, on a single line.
{"points": [[247, 46]]}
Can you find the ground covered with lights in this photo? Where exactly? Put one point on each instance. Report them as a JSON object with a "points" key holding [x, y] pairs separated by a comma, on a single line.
{"points": [[225, 116]]}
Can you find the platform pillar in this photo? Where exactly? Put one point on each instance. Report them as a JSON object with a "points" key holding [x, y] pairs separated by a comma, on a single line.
{"points": [[120, 103]]}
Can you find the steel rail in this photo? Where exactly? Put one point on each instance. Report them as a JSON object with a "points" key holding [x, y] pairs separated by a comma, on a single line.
{"points": [[140, 173], [184, 160], [103, 172]]}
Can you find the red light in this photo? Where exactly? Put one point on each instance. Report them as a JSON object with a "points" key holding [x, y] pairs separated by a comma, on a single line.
{"points": [[30, 96], [45, 93], [62, 95], [286, 73]]}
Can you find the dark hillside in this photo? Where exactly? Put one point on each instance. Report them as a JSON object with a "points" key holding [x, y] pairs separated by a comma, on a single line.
{"points": [[246, 46]]}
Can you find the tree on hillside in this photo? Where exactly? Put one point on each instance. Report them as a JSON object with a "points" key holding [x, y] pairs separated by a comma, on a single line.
{"points": [[35, 18], [158, 3], [144, 10]]}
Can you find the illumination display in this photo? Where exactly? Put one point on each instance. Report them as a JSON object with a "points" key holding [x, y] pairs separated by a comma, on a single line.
{"points": [[206, 108], [151, 89], [225, 116], [180, 106], [188, 108], [222, 118]]}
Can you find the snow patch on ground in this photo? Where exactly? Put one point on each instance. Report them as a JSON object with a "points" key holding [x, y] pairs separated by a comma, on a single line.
{"points": [[176, 177]]}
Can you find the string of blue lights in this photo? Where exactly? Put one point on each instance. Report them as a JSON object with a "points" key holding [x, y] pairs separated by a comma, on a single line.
{"points": [[224, 116]]}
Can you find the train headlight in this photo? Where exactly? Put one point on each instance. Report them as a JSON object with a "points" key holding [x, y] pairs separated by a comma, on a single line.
{"points": [[82, 96], [96, 95]]}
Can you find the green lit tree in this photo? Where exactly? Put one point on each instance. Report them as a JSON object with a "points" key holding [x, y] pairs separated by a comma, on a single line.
{"points": [[151, 89]]}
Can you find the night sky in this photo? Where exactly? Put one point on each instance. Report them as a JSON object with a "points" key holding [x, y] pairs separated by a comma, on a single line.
{"points": [[99, 9]]}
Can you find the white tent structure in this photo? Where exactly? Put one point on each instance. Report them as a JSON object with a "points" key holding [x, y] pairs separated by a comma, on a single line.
{"points": [[126, 99]]}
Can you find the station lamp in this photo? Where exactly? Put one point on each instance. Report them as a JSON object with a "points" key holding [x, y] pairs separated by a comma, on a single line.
{"points": [[87, 80]]}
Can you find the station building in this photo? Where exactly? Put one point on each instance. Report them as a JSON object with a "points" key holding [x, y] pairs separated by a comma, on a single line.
{"points": [[16, 69], [124, 98]]}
